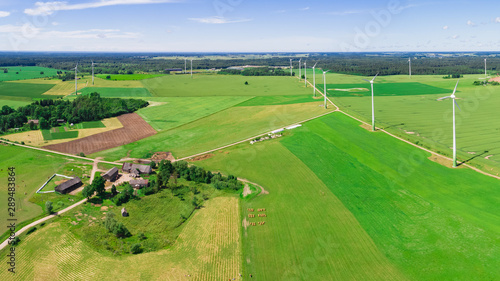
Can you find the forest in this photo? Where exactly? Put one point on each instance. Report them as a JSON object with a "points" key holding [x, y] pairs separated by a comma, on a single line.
{"points": [[84, 108], [348, 63]]}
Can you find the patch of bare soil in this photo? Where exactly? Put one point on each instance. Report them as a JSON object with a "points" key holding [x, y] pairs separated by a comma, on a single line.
{"points": [[496, 79], [158, 156], [441, 160], [246, 191], [201, 157], [366, 127], [488, 157], [245, 223]]}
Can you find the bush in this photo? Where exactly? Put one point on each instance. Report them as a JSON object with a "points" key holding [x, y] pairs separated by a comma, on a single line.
{"points": [[15, 241], [136, 249], [31, 230], [48, 207]]}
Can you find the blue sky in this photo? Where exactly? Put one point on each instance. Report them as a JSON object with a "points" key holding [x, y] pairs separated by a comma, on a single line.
{"points": [[248, 25]]}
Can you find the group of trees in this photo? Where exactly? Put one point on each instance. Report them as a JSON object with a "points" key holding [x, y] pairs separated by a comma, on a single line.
{"points": [[485, 82], [84, 108], [115, 227], [256, 71], [97, 186]]}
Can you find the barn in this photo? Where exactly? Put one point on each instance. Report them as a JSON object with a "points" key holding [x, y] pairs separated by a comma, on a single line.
{"points": [[138, 184], [68, 186], [111, 175], [142, 169]]}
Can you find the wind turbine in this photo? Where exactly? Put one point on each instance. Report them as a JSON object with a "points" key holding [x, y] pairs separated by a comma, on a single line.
{"points": [[454, 98], [314, 79], [76, 84], [93, 72], [300, 71], [373, 105], [485, 74], [409, 62], [191, 69], [324, 82], [305, 72], [291, 68]]}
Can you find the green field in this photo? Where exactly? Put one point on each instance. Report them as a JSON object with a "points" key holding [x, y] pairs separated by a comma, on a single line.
{"points": [[108, 92], [429, 221], [59, 134], [383, 89], [24, 91], [123, 77], [216, 130], [33, 168], [25, 72], [13, 103], [223, 85], [168, 113], [89, 125], [422, 119], [278, 100]]}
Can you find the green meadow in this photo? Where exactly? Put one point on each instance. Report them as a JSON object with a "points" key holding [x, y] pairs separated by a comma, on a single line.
{"points": [[383, 89], [420, 220], [109, 92], [25, 72], [124, 77], [24, 91]]}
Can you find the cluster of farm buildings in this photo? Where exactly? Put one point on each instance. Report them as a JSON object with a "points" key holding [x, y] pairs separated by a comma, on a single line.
{"points": [[134, 171]]}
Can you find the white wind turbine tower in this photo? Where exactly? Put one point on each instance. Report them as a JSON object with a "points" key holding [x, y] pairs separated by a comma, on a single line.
{"points": [[324, 86], [314, 79], [454, 98], [305, 72], [373, 105], [93, 72], [291, 68], [409, 63], [300, 71], [76, 84]]}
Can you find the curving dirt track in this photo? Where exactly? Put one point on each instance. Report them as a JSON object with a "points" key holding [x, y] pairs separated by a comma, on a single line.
{"points": [[134, 129]]}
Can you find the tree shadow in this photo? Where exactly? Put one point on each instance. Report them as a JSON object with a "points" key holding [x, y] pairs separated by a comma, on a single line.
{"points": [[390, 126]]}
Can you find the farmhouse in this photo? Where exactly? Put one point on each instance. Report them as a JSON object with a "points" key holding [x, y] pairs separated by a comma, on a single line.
{"points": [[138, 184], [131, 168], [69, 185], [34, 121], [111, 175]]}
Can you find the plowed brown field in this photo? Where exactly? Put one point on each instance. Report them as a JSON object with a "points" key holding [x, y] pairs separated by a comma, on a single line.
{"points": [[134, 129]]}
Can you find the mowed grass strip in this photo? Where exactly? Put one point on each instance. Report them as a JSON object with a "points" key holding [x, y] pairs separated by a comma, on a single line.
{"points": [[434, 222], [223, 85], [214, 131], [24, 91], [108, 92], [208, 248], [168, 113], [308, 233]]}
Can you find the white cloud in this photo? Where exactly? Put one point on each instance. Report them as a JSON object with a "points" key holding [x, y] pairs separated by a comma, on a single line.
{"points": [[88, 34], [55, 23], [470, 23], [27, 29], [349, 12], [497, 20], [305, 9], [4, 14], [217, 20], [445, 27], [48, 8]]}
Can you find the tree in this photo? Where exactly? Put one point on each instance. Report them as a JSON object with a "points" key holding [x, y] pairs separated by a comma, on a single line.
{"points": [[88, 191], [108, 77], [113, 190], [41, 72], [246, 82], [197, 202], [48, 207], [5, 70], [98, 185], [43, 123], [110, 222], [121, 231], [152, 165]]}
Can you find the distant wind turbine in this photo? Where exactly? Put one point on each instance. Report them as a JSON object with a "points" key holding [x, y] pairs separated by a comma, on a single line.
{"points": [[324, 86], [291, 68], [485, 74], [76, 84], [453, 97], [373, 105], [300, 71], [409, 63], [314, 79], [93, 72], [305, 72]]}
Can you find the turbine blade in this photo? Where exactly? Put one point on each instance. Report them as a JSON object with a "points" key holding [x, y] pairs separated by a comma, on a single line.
{"points": [[455, 101], [375, 77], [315, 65], [456, 86], [367, 80]]}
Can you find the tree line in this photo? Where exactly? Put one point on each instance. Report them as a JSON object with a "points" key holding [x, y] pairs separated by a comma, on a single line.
{"points": [[90, 107]]}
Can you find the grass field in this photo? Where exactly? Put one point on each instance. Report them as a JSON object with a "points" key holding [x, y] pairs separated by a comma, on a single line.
{"points": [[383, 89], [26, 72], [422, 119], [168, 113], [108, 92], [223, 85], [208, 248], [124, 77], [24, 91], [278, 100], [225, 127], [90, 125], [429, 221], [33, 168], [58, 134], [13, 103]]}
